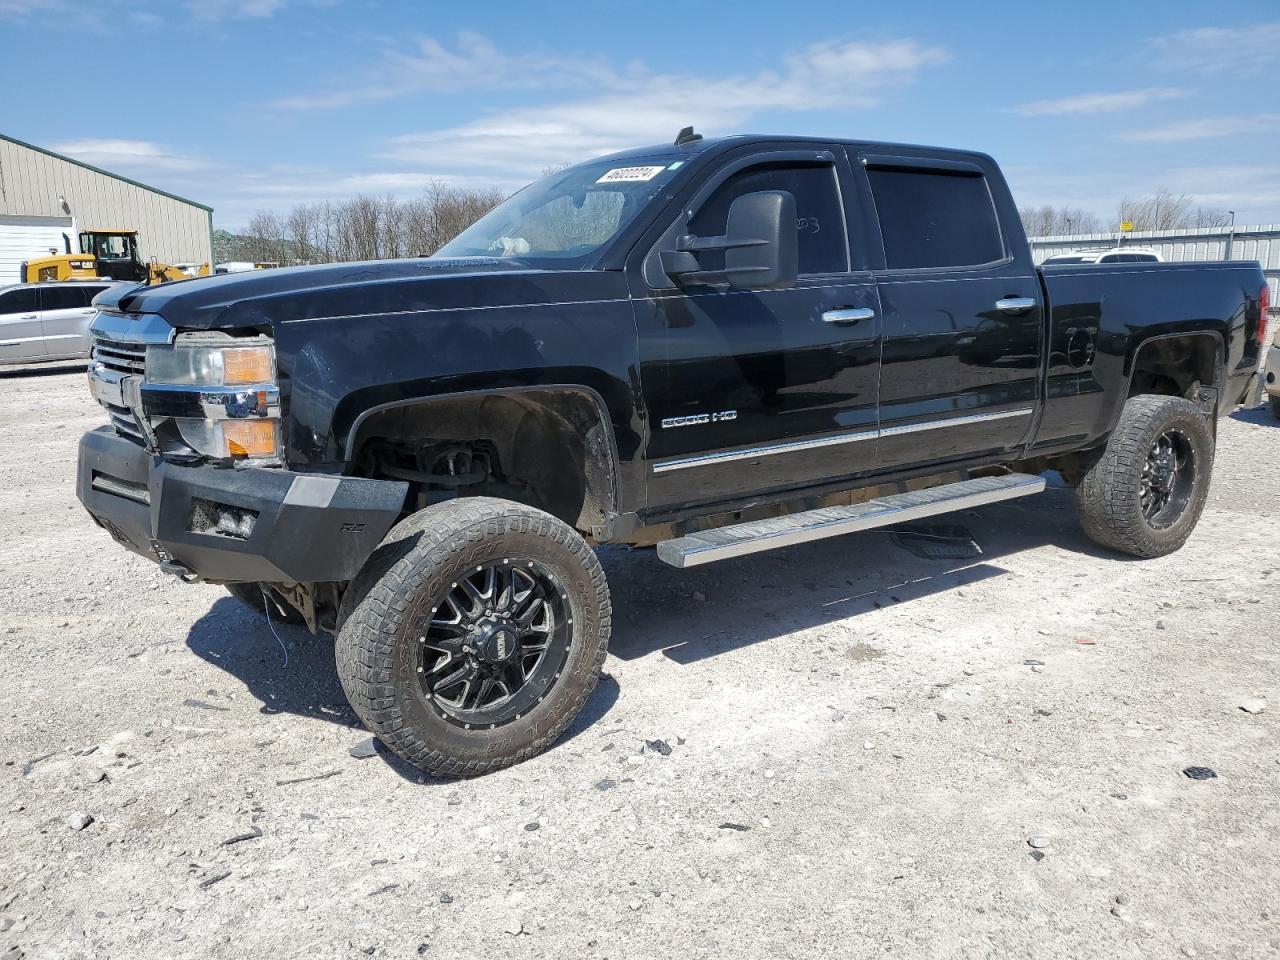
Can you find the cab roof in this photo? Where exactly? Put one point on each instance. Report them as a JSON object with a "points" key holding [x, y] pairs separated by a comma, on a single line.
{"points": [[718, 144]]}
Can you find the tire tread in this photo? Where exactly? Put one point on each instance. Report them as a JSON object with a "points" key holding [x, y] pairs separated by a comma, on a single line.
{"points": [[379, 597], [1108, 496]]}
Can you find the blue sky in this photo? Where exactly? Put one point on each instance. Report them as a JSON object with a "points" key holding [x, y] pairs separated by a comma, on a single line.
{"points": [[253, 105]]}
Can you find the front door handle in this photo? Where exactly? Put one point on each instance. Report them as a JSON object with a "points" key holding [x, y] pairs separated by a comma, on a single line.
{"points": [[28, 316], [846, 315], [1015, 304]]}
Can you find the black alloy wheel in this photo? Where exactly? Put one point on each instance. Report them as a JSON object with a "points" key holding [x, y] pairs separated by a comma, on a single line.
{"points": [[1168, 479], [494, 643]]}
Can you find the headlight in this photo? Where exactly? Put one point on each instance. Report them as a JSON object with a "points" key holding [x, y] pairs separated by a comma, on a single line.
{"points": [[231, 384], [210, 365]]}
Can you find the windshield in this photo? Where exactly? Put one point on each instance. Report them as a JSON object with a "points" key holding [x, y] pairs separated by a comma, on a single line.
{"points": [[567, 215]]}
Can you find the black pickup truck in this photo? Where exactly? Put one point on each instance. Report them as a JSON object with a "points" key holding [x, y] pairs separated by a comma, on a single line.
{"points": [[715, 347]]}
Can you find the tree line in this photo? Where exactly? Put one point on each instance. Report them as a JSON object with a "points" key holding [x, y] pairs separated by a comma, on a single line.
{"points": [[1163, 210], [376, 228], [361, 228]]}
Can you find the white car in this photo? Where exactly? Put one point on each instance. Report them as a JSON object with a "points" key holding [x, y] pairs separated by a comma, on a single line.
{"points": [[1118, 255], [47, 321]]}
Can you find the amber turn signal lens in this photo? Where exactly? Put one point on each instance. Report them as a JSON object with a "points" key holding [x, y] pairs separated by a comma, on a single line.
{"points": [[251, 438], [247, 365]]}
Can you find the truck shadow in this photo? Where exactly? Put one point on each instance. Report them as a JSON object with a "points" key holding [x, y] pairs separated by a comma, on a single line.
{"points": [[683, 612], [688, 615], [239, 642], [1258, 415]]}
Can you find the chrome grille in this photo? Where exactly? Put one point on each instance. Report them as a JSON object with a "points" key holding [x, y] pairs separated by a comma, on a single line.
{"points": [[118, 359], [126, 358], [125, 423]]}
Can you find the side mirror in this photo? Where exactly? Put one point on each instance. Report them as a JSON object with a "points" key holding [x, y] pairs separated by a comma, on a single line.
{"points": [[761, 251], [764, 251]]}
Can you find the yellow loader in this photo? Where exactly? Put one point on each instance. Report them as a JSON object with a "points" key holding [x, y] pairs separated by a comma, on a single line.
{"points": [[106, 255]]}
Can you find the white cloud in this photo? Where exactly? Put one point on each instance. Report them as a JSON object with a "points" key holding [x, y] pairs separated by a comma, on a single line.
{"points": [[247, 9], [639, 105], [110, 14], [1099, 102], [1246, 49], [1205, 128], [225, 9], [474, 64], [25, 9], [127, 156], [477, 64]]}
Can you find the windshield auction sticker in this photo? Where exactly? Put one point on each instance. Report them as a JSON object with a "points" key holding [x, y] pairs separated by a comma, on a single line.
{"points": [[624, 174]]}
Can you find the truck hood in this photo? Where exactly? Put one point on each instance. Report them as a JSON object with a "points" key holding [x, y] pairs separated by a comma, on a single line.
{"points": [[261, 298]]}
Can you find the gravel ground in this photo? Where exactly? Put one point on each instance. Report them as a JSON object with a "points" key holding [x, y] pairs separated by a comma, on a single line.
{"points": [[870, 753]]}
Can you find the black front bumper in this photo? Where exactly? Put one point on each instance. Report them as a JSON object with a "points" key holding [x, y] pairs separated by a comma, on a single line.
{"points": [[297, 527]]}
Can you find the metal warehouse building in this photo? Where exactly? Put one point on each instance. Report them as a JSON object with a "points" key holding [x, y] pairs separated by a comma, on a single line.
{"points": [[46, 199]]}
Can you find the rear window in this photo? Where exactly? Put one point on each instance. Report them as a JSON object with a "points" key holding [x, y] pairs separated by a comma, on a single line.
{"points": [[63, 298], [1129, 258], [935, 218]]}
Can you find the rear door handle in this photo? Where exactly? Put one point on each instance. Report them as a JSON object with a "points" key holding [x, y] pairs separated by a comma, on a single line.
{"points": [[28, 316], [1015, 304], [846, 315]]}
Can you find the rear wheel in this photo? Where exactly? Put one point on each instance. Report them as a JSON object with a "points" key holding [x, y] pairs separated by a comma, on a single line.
{"points": [[1275, 407], [474, 635], [1145, 493]]}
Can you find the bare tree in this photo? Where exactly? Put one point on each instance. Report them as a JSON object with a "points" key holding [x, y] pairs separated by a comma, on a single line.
{"points": [[361, 228], [1165, 210], [264, 236], [302, 228], [1048, 221], [1210, 217]]}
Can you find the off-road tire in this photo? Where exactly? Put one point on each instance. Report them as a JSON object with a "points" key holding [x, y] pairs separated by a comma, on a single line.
{"points": [[250, 594], [1109, 495], [383, 609]]}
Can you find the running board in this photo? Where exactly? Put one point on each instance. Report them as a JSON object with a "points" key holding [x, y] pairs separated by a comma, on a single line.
{"points": [[740, 539]]}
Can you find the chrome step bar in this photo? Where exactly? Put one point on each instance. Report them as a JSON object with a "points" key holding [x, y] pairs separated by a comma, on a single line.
{"points": [[755, 536]]}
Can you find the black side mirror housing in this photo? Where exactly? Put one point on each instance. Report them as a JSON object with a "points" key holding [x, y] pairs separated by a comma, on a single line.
{"points": [[764, 250], [761, 249]]}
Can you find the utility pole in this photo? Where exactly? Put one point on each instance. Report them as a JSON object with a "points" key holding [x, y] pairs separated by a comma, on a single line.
{"points": [[1231, 236]]}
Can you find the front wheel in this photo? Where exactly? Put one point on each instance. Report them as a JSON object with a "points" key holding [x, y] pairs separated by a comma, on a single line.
{"points": [[1275, 407], [474, 635], [1145, 493]]}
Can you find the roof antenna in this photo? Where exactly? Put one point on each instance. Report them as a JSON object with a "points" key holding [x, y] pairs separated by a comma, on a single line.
{"points": [[686, 136]]}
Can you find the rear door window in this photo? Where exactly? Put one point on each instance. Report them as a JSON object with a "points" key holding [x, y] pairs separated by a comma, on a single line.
{"points": [[18, 301], [63, 298], [820, 229], [935, 218]]}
